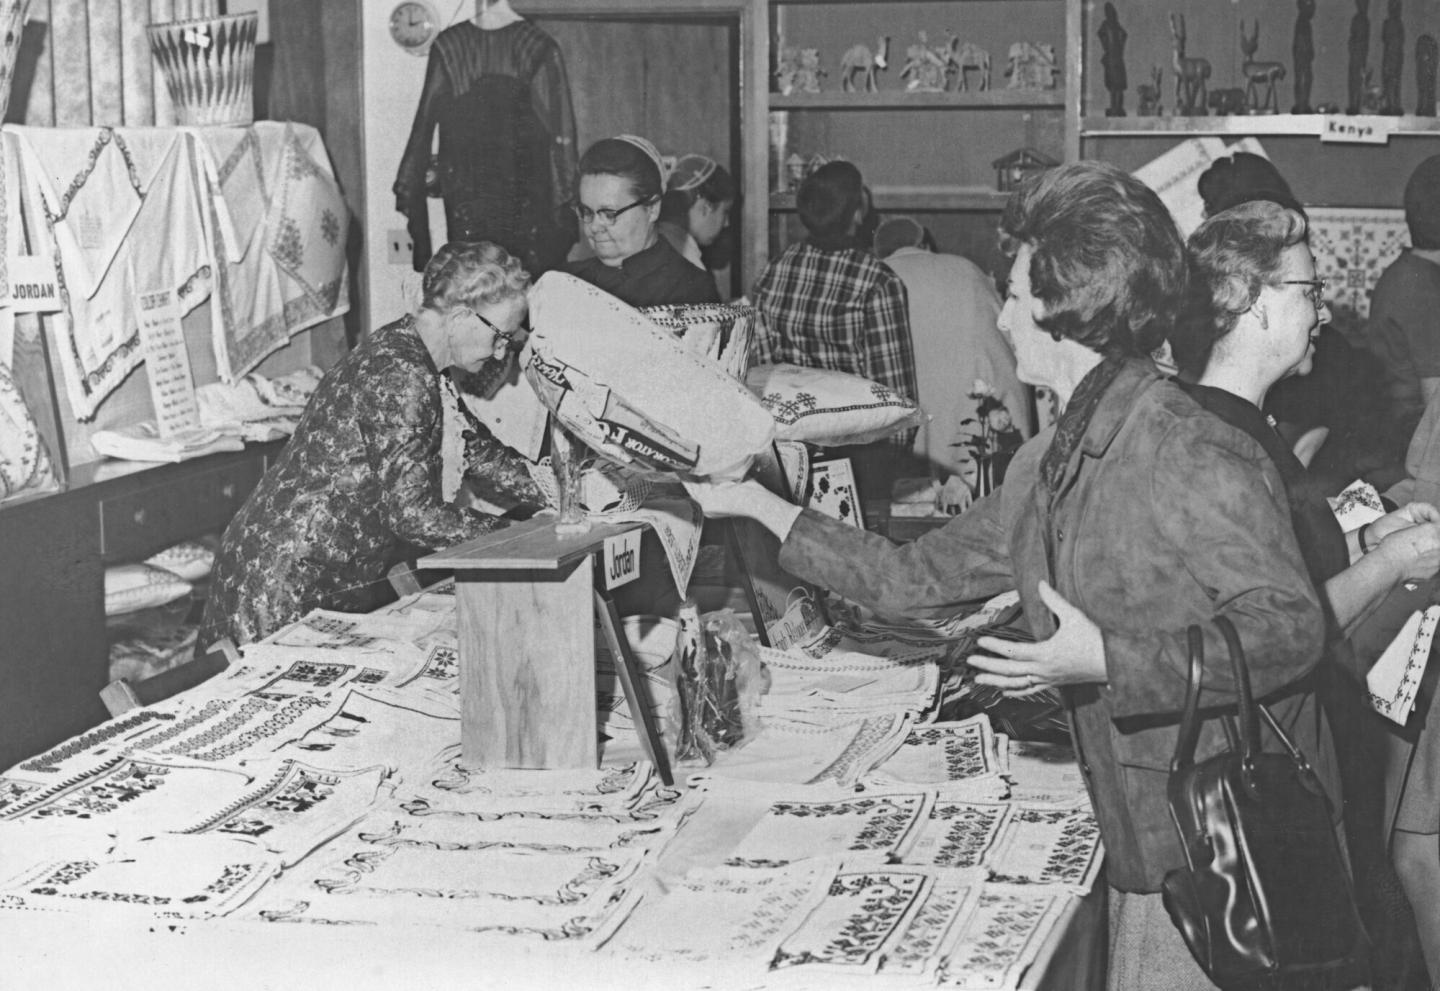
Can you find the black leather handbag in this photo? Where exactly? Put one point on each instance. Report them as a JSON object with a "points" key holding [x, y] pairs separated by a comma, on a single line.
{"points": [[1265, 895]]}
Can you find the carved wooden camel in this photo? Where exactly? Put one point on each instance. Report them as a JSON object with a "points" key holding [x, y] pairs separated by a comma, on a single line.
{"points": [[971, 56], [1191, 74], [859, 59]]}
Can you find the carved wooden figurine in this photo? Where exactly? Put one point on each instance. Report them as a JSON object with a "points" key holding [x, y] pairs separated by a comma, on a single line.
{"points": [[1112, 59], [1302, 48], [1427, 54], [1392, 60], [924, 70], [859, 59], [807, 77], [1359, 51], [1192, 75], [1259, 74], [787, 64], [950, 54], [1032, 66], [1148, 94], [972, 56]]}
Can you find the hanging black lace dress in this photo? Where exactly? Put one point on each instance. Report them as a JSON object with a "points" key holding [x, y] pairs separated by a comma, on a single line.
{"points": [[507, 162]]}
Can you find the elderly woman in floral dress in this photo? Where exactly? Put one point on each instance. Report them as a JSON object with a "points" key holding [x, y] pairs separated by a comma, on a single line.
{"points": [[360, 486]]}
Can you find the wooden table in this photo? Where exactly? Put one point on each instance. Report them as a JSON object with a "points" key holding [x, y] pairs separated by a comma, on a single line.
{"points": [[526, 604]]}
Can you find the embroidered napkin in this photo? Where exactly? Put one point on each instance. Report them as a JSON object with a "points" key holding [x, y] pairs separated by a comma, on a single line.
{"points": [[1394, 680]]}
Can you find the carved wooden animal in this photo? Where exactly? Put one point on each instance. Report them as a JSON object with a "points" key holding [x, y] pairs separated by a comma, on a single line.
{"points": [[950, 55], [1258, 74], [860, 59], [972, 56], [1191, 74], [1149, 94]]}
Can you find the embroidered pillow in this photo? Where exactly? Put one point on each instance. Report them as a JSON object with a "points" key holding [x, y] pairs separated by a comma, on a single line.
{"points": [[129, 587], [632, 391], [189, 559], [830, 408]]}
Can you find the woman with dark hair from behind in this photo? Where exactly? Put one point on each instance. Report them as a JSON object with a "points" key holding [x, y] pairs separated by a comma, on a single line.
{"points": [[1133, 517], [622, 180]]}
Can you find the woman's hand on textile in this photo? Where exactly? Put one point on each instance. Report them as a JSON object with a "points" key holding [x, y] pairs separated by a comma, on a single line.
{"points": [[749, 499], [1074, 655], [954, 496], [1413, 552]]}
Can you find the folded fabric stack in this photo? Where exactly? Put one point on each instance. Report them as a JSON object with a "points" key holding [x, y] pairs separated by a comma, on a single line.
{"points": [[256, 407], [142, 442]]}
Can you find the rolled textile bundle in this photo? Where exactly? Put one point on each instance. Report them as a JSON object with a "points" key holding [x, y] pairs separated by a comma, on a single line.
{"points": [[209, 67], [634, 392]]}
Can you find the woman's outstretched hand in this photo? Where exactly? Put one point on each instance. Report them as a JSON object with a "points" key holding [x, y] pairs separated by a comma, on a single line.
{"points": [[1074, 655], [747, 499]]}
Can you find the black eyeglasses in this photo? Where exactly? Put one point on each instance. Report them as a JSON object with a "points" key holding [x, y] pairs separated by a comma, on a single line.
{"points": [[605, 215], [1316, 292]]}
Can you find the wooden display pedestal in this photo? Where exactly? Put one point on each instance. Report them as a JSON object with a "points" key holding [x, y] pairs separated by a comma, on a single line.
{"points": [[527, 604]]}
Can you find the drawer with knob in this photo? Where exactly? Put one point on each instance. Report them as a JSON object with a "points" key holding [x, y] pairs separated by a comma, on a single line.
{"points": [[137, 524]]}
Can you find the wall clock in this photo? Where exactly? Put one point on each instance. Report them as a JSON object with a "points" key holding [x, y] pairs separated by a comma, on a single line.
{"points": [[413, 26]]}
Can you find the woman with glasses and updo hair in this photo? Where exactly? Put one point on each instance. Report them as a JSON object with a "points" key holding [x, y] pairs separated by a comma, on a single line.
{"points": [[696, 207], [374, 468], [1258, 308], [622, 181]]}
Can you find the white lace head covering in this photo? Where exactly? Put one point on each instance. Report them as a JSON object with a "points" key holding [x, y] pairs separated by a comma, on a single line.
{"points": [[662, 164], [691, 172]]}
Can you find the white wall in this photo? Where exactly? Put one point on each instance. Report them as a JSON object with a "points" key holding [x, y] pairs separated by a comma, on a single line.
{"points": [[392, 81]]}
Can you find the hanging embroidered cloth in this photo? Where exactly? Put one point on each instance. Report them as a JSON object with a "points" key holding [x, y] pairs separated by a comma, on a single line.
{"points": [[276, 226], [119, 212]]}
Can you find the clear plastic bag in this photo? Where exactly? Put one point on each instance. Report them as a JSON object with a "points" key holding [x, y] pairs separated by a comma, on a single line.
{"points": [[719, 680]]}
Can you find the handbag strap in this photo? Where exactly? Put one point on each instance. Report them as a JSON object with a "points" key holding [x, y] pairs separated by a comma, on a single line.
{"points": [[1249, 728], [1190, 715]]}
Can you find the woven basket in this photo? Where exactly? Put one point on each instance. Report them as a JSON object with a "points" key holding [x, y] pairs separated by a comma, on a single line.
{"points": [[603, 489], [209, 67]]}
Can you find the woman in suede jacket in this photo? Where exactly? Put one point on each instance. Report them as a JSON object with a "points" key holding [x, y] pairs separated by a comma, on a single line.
{"points": [[1135, 516]]}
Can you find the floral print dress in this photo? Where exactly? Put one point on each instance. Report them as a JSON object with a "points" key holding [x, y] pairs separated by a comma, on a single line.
{"points": [[356, 490]]}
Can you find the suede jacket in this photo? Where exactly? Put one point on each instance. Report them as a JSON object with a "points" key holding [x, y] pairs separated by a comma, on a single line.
{"points": [[1165, 517]]}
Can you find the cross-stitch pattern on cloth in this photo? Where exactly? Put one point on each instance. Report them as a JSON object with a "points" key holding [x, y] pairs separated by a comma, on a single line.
{"points": [[916, 951], [959, 834], [860, 914], [1352, 247], [1001, 939], [1048, 846], [877, 825]]}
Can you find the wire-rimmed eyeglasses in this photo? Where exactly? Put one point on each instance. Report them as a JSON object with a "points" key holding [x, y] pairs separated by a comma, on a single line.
{"points": [[1316, 292], [505, 337], [605, 215]]}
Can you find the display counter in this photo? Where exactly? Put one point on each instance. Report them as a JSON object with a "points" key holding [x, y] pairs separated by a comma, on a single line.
{"points": [[306, 819], [53, 649]]}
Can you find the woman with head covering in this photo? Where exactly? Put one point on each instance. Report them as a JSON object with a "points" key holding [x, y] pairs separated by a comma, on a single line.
{"points": [[696, 207], [622, 181], [1136, 515], [375, 464]]}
